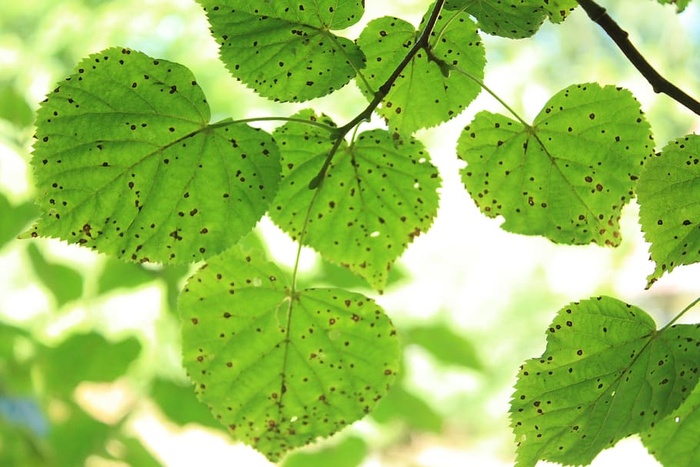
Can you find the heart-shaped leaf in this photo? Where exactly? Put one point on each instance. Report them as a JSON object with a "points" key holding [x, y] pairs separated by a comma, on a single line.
{"points": [[126, 163], [280, 367]]}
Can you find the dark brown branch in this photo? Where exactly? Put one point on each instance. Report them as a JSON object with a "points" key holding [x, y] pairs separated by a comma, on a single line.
{"points": [[422, 42], [621, 38]]}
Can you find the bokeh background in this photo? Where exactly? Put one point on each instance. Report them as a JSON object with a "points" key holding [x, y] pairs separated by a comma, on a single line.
{"points": [[89, 347]]}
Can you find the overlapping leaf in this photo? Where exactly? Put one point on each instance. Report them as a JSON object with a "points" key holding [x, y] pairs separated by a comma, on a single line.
{"points": [[568, 175], [675, 440], [607, 373], [280, 367], [433, 88], [378, 195], [126, 163], [515, 19], [285, 49], [669, 205]]}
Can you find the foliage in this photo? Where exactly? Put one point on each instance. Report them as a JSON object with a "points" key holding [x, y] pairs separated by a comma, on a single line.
{"points": [[127, 162]]}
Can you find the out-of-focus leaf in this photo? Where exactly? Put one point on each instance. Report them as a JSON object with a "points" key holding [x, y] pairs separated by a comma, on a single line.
{"points": [[402, 405], [350, 452], [76, 437], [15, 377], [64, 283], [339, 276], [14, 107], [136, 454], [14, 218], [19, 447], [180, 405], [445, 345], [118, 274], [87, 357]]}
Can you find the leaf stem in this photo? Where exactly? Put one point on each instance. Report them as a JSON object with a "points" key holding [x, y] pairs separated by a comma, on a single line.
{"points": [[491, 92], [680, 315], [659, 84], [422, 42]]}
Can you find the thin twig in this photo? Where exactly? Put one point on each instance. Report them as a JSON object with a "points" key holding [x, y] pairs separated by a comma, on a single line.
{"points": [[422, 42], [660, 84]]}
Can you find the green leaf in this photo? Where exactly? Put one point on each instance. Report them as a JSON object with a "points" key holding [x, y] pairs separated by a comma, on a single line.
{"points": [[412, 410], [14, 218], [13, 106], [680, 4], [180, 405], [669, 206], [438, 83], [568, 175], [558, 10], [117, 274], [126, 163], [607, 373], [65, 283], [136, 454], [285, 49], [349, 452], [90, 357], [378, 195], [675, 440], [515, 19], [281, 367], [445, 345], [73, 426]]}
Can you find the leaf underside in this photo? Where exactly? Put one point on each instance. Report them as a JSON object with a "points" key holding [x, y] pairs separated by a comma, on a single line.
{"points": [[281, 368], [285, 49], [127, 164], [607, 373], [669, 205], [568, 175], [431, 89], [378, 195]]}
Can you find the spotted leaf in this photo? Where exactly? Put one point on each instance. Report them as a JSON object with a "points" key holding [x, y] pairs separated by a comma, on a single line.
{"points": [[515, 19], [568, 175], [606, 373], [280, 367], [285, 49], [378, 195], [675, 440], [669, 205], [126, 163], [680, 4], [438, 83]]}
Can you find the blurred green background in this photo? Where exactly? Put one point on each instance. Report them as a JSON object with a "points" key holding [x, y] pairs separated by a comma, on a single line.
{"points": [[89, 351]]}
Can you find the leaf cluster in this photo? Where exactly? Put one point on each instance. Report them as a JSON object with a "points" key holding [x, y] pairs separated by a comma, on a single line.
{"points": [[127, 162]]}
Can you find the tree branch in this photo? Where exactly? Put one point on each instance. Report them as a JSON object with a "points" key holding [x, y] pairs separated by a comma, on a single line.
{"points": [[660, 84]]}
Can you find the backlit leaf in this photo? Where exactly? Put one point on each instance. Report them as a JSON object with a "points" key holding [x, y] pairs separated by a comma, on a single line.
{"points": [[515, 19], [680, 4], [675, 440], [280, 367], [285, 49], [349, 452], [568, 175], [669, 205], [445, 345], [433, 88], [378, 195], [607, 373], [126, 163], [65, 283], [87, 357], [14, 218]]}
